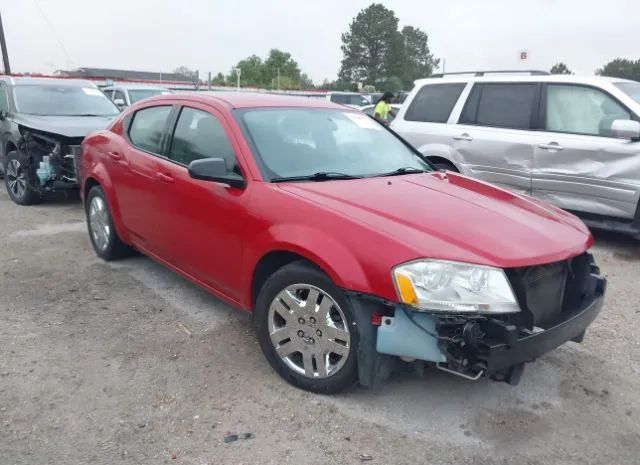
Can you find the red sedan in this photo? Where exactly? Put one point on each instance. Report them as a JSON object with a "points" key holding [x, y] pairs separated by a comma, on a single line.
{"points": [[350, 249]]}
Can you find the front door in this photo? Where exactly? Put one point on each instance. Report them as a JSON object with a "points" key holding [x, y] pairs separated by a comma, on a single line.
{"points": [[578, 164], [135, 173], [494, 137], [202, 221]]}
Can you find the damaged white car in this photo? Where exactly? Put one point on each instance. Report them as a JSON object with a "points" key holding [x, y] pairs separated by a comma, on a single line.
{"points": [[572, 141], [43, 122]]}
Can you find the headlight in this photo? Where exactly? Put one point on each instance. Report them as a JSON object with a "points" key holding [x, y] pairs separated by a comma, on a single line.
{"points": [[453, 287]]}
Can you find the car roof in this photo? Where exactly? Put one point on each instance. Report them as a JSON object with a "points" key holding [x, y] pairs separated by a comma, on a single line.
{"points": [[37, 81], [565, 78], [134, 87], [250, 100]]}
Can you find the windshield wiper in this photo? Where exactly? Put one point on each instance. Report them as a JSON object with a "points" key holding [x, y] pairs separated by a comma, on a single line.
{"points": [[404, 170], [90, 114], [321, 176]]}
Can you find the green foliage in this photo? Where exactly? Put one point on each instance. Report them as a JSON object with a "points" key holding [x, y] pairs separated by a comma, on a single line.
{"points": [[621, 68], [278, 70], [560, 68], [376, 53], [369, 44], [219, 80]]}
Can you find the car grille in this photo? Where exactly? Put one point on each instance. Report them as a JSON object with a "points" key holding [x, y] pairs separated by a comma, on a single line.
{"points": [[546, 293]]}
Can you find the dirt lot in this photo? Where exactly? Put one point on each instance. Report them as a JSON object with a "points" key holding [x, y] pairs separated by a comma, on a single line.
{"points": [[97, 367]]}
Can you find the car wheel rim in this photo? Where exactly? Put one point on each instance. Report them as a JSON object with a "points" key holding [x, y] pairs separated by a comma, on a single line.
{"points": [[16, 179], [99, 223], [309, 331]]}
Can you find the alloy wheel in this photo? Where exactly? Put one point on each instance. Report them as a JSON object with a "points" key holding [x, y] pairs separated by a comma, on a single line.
{"points": [[99, 223], [16, 179], [309, 331]]}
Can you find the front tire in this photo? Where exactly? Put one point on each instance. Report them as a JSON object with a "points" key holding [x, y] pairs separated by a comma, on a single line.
{"points": [[305, 327], [16, 179], [102, 232]]}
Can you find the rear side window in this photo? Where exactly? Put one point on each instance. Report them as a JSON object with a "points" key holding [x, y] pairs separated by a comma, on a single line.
{"points": [[147, 128], [507, 105], [340, 98], [199, 135], [433, 103]]}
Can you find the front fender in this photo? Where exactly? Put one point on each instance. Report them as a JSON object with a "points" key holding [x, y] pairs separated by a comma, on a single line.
{"points": [[325, 251]]}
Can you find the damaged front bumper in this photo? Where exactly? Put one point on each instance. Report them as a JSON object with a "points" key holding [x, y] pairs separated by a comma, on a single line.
{"points": [[498, 347]]}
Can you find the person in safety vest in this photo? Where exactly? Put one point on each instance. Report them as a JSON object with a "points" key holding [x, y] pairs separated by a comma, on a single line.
{"points": [[383, 107]]}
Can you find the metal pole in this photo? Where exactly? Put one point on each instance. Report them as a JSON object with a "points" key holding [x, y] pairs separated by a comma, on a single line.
{"points": [[209, 81], [278, 78], [444, 64], [238, 72], [3, 45]]}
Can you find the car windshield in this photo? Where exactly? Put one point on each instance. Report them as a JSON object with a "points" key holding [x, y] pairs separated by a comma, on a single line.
{"points": [[63, 100], [632, 89], [306, 142], [136, 95]]}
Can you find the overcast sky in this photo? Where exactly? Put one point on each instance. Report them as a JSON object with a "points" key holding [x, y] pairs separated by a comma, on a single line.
{"points": [[212, 35]]}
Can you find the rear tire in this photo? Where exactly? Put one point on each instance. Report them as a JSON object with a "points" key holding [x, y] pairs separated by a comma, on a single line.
{"points": [[305, 327], [102, 232], [16, 179]]}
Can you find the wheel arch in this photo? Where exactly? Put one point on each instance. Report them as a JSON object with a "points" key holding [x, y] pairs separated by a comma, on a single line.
{"points": [[328, 254], [100, 178], [441, 152]]}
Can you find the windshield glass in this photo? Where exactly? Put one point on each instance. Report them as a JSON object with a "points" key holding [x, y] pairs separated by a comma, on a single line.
{"points": [[632, 89], [54, 100], [303, 142], [139, 94]]}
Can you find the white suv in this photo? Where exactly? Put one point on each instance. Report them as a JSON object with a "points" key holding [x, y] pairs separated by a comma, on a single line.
{"points": [[572, 141]]}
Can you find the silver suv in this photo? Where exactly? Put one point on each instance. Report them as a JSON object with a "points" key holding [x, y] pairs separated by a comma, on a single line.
{"points": [[572, 141]]}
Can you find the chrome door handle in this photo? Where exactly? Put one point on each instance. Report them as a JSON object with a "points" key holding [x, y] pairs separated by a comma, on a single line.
{"points": [[551, 146], [463, 136]]}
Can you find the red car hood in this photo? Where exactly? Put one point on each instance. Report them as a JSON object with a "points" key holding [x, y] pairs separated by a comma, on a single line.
{"points": [[452, 217]]}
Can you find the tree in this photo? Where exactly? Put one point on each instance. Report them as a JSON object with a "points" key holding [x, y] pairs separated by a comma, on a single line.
{"points": [[369, 45], [560, 68], [376, 53], [280, 65], [621, 68], [306, 82], [251, 72], [219, 80], [417, 60], [191, 74]]}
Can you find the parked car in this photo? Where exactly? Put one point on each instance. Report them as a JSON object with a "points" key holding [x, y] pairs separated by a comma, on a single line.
{"points": [[569, 140], [350, 99], [351, 250], [370, 110], [43, 122], [125, 95]]}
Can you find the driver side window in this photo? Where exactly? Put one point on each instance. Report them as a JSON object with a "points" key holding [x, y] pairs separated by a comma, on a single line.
{"points": [[199, 135], [582, 110]]}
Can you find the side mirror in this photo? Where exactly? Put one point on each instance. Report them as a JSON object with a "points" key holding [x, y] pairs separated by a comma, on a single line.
{"points": [[215, 169], [120, 103], [626, 129]]}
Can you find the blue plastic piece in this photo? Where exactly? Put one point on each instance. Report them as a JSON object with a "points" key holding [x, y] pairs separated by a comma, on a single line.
{"points": [[400, 336]]}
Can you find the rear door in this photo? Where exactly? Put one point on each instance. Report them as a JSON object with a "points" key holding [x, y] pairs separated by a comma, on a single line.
{"points": [[578, 164], [135, 173], [494, 137]]}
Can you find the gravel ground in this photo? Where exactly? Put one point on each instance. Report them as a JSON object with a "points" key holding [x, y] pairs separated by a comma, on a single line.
{"points": [[129, 363]]}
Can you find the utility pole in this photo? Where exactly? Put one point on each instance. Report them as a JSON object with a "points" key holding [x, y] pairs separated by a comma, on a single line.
{"points": [[209, 81], [3, 45], [278, 78], [444, 64], [238, 71]]}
